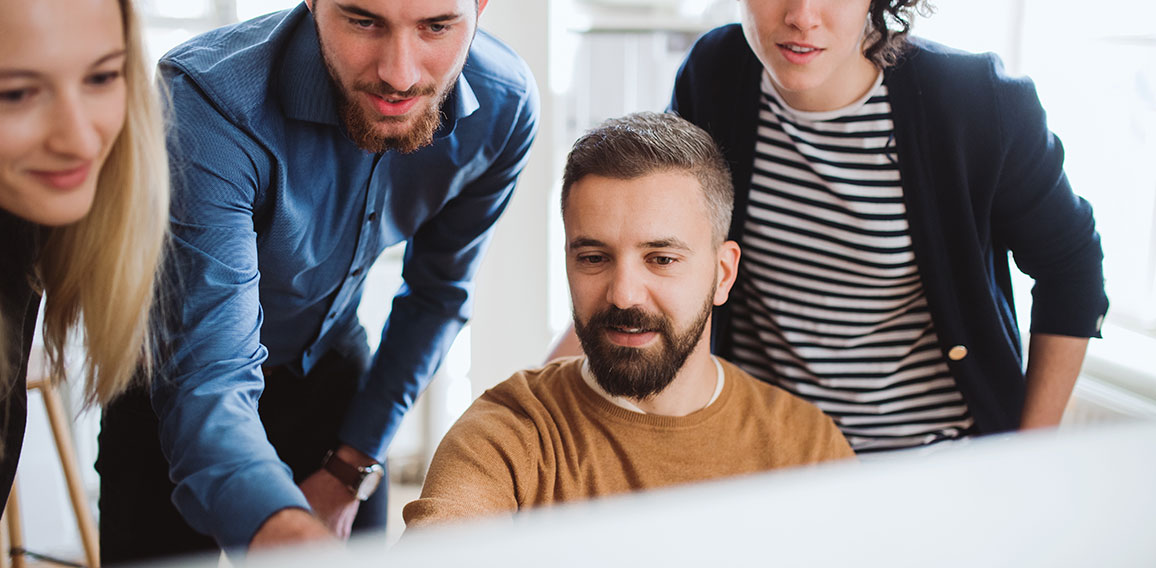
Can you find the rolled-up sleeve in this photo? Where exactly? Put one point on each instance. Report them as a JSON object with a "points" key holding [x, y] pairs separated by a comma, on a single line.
{"points": [[228, 477], [1049, 229]]}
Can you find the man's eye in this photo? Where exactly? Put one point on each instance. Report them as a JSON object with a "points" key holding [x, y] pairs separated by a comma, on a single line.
{"points": [[361, 22], [591, 259], [439, 28], [663, 260]]}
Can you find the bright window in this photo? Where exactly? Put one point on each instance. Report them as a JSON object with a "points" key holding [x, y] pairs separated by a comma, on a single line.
{"points": [[1100, 95]]}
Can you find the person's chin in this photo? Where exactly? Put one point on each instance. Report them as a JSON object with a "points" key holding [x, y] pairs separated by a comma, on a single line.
{"points": [[64, 210], [393, 130], [794, 82], [630, 355], [381, 124]]}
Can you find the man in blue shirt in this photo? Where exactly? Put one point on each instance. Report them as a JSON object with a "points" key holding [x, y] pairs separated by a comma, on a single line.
{"points": [[303, 143]]}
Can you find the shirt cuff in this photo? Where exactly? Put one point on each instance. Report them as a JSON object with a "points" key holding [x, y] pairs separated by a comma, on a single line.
{"points": [[370, 426], [1076, 313], [249, 499]]}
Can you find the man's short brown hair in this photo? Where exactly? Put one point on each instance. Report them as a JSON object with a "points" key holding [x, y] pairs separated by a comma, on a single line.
{"points": [[648, 142]]}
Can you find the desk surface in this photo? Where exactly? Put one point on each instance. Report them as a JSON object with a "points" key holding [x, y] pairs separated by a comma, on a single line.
{"points": [[1068, 498]]}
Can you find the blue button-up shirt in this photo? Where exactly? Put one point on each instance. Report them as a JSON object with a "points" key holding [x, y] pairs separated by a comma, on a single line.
{"points": [[277, 216]]}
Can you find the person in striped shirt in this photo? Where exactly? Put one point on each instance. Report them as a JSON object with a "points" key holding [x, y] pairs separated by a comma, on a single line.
{"points": [[881, 182]]}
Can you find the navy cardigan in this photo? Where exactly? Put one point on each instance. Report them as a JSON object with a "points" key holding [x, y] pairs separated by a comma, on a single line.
{"points": [[982, 175]]}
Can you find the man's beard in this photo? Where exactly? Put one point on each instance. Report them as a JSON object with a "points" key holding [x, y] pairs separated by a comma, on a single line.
{"points": [[632, 372], [360, 122]]}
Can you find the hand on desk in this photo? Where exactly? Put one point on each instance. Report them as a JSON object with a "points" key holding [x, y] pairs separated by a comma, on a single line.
{"points": [[289, 526], [334, 508]]}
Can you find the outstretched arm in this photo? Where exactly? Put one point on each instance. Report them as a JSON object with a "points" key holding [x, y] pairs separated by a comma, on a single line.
{"points": [[1054, 362], [289, 526], [480, 468]]}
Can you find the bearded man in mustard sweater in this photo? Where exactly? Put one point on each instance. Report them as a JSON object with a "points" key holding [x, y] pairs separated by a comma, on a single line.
{"points": [[646, 203]]}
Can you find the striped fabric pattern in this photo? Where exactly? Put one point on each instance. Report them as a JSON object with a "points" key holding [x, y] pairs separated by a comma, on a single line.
{"points": [[829, 304]]}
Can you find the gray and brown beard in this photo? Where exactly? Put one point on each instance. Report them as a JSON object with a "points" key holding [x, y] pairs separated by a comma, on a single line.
{"points": [[636, 372]]}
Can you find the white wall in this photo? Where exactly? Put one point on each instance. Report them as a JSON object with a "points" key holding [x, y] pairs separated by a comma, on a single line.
{"points": [[510, 330]]}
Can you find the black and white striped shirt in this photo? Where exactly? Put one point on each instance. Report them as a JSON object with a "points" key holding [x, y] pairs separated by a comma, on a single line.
{"points": [[830, 305]]}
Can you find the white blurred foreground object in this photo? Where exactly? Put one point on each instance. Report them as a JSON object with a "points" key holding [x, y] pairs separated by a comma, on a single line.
{"points": [[1073, 498]]}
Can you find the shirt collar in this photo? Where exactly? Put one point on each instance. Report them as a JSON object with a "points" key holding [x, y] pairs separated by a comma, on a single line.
{"points": [[623, 402], [308, 91], [461, 103]]}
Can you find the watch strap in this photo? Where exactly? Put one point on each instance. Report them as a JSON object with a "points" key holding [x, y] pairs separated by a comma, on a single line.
{"points": [[348, 474]]}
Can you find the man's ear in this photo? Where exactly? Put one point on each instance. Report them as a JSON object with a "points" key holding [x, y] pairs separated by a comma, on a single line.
{"points": [[482, 6], [309, 4], [728, 271]]}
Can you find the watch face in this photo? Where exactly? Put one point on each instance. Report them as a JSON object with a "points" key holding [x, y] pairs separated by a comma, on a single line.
{"points": [[370, 481]]}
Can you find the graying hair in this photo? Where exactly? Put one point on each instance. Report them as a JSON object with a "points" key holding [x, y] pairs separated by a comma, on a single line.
{"points": [[648, 142]]}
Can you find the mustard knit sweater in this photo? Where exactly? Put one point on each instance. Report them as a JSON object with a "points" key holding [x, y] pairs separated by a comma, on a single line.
{"points": [[543, 436]]}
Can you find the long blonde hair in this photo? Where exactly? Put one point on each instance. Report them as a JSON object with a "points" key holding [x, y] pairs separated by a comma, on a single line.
{"points": [[99, 274]]}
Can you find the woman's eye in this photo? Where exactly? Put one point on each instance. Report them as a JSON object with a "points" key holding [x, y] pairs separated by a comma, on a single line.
{"points": [[104, 78]]}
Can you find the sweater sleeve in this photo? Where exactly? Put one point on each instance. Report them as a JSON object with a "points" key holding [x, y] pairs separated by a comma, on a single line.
{"points": [[1049, 229], [482, 467]]}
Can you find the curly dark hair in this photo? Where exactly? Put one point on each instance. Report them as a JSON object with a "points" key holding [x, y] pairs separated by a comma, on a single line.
{"points": [[890, 23]]}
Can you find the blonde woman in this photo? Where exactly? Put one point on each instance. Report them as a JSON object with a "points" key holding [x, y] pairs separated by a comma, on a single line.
{"points": [[83, 198]]}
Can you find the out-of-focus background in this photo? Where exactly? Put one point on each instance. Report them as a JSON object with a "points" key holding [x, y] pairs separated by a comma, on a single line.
{"points": [[596, 59]]}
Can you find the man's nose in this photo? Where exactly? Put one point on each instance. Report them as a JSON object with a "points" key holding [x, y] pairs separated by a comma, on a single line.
{"points": [[627, 288], [398, 65]]}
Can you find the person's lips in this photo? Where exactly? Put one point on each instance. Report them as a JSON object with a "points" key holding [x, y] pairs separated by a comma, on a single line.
{"points": [[392, 105], [68, 178], [798, 53], [630, 336]]}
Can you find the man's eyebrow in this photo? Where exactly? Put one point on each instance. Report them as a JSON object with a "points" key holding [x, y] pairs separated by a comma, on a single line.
{"points": [[580, 242], [442, 18], [667, 243], [359, 11], [664, 243]]}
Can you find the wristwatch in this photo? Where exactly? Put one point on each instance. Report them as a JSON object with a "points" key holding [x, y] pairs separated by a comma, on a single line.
{"points": [[361, 481]]}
